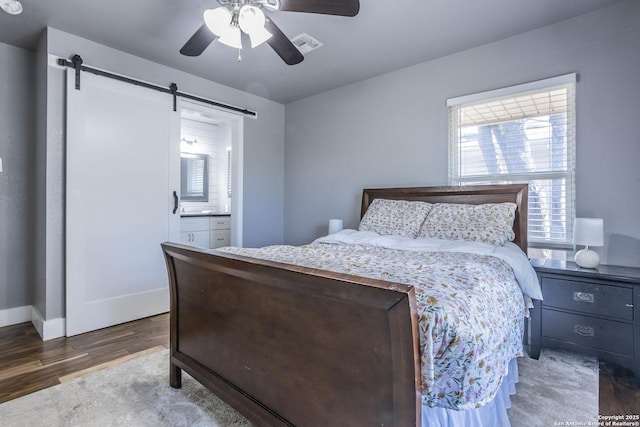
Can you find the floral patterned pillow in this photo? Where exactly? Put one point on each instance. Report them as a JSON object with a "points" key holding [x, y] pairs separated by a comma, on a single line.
{"points": [[489, 223], [395, 217]]}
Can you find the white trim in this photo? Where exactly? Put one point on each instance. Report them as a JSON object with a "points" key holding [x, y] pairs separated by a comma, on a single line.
{"points": [[38, 321], [47, 329], [54, 328], [511, 90], [52, 61], [12, 316]]}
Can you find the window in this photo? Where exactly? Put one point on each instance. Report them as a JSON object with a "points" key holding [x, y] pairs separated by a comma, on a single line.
{"points": [[194, 177], [524, 133]]}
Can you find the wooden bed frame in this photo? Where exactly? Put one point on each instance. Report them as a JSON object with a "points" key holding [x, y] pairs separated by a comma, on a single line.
{"points": [[294, 346]]}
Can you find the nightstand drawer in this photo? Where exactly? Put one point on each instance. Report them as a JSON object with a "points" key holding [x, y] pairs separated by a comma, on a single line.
{"points": [[606, 335], [588, 297]]}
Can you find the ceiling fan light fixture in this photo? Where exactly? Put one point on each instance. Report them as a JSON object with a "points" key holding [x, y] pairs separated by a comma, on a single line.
{"points": [[231, 37], [219, 21], [251, 20], [272, 4], [225, 25], [12, 7], [259, 36]]}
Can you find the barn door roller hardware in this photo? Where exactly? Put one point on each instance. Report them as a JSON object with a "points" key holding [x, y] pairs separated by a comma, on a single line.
{"points": [[77, 64]]}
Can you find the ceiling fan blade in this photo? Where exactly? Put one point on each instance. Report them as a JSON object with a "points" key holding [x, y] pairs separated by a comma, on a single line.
{"points": [[282, 45], [198, 42], [325, 7]]}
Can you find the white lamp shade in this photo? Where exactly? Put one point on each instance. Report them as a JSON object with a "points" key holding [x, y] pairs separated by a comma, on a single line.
{"points": [[259, 36], [251, 20], [588, 232], [218, 20], [232, 37], [335, 225]]}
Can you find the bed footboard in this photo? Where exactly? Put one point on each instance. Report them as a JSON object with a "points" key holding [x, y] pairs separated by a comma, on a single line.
{"points": [[287, 345]]}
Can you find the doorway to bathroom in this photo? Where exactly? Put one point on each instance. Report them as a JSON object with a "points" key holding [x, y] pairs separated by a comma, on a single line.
{"points": [[211, 176]]}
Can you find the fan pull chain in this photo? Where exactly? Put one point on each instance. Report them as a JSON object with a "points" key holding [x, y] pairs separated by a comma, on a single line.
{"points": [[239, 55]]}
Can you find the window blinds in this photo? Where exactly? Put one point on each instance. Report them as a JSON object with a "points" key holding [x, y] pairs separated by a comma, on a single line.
{"points": [[521, 134]]}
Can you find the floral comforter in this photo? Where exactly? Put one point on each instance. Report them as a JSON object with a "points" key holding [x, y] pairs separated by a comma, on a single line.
{"points": [[470, 307]]}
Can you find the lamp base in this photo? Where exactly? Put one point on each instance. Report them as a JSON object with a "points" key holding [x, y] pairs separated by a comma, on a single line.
{"points": [[587, 258]]}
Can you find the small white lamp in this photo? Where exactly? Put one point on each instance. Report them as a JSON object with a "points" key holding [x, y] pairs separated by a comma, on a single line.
{"points": [[335, 225], [588, 232]]}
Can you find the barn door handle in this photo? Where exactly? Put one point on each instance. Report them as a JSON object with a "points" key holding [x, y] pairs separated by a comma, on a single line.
{"points": [[175, 202]]}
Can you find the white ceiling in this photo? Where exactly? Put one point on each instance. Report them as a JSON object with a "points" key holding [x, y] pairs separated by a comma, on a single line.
{"points": [[383, 37]]}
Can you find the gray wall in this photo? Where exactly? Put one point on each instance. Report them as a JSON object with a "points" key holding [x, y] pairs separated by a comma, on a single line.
{"points": [[263, 153], [392, 130], [17, 199]]}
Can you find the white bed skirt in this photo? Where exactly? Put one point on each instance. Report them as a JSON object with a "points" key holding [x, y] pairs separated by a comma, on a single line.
{"points": [[493, 414]]}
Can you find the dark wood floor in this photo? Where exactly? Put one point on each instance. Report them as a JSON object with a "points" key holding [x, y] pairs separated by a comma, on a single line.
{"points": [[619, 393], [28, 364]]}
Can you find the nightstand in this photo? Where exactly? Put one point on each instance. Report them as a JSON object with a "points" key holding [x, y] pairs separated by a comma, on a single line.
{"points": [[594, 311]]}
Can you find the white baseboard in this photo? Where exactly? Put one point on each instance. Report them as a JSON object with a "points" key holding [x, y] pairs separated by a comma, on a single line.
{"points": [[48, 329], [12, 316]]}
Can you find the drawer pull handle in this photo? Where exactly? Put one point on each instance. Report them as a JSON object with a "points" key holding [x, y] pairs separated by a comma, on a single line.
{"points": [[585, 331], [583, 297], [629, 305]]}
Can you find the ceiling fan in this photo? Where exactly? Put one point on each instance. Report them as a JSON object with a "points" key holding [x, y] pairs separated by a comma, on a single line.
{"points": [[234, 17]]}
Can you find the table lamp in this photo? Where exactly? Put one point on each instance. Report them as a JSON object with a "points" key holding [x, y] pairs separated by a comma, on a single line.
{"points": [[588, 232], [335, 225]]}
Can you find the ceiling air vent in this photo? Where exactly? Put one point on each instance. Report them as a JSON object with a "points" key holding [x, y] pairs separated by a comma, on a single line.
{"points": [[305, 43]]}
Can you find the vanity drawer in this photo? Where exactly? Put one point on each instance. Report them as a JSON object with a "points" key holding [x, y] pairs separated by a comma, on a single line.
{"points": [[220, 222], [588, 297], [194, 224], [600, 334], [220, 238]]}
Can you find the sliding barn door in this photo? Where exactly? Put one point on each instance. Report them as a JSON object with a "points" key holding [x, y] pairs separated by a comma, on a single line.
{"points": [[122, 168]]}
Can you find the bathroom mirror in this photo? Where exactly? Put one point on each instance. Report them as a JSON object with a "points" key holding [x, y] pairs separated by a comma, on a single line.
{"points": [[194, 177]]}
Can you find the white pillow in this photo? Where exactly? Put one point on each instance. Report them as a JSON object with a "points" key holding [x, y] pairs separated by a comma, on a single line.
{"points": [[395, 217]]}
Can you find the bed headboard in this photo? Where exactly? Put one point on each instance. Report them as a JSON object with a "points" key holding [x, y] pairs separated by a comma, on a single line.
{"points": [[473, 194]]}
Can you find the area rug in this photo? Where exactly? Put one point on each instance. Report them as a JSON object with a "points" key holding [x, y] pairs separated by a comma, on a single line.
{"points": [[558, 387]]}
